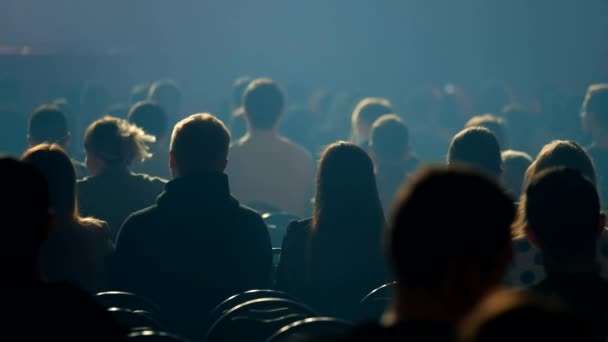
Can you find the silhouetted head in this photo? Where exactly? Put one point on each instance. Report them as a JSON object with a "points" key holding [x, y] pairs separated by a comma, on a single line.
{"points": [[48, 124], [563, 214], [168, 95], [58, 170], [151, 117], [514, 315], [264, 102], [114, 142], [199, 143], [478, 148], [365, 114], [25, 211], [495, 124], [450, 237], [595, 110], [238, 90], [389, 140], [515, 164]]}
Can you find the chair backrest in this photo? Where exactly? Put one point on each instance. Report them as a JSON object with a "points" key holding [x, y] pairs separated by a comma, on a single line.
{"points": [[241, 298], [374, 304], [135, 320], [312, 329], [127, 301], [277, 223], [153, 336], [257, 320]]}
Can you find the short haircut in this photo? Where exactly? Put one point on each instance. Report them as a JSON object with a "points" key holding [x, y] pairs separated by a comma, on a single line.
{"points": [[116, 141], [369, 110], [476, 230], [264, 102], [167, 94], [48, 124], [389, 138], [199, 143], [476, 147], [562, 210], [151, 117], [596, 103], [515, 164], [495, 124]]}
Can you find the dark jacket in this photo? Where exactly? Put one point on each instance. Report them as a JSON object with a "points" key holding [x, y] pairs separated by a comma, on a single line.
{"points": [[115, 194], [196, 247]]}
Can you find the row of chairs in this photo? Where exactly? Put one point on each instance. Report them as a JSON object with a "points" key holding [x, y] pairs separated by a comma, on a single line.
{"points": [[256, 315]]}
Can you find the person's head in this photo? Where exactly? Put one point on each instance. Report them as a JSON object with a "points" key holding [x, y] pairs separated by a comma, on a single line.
{"points": [[58, 170], [238, 90], [366, 112], [168, 95], [476, 147], [494, 123], [114, 142], [595, 110], [563, 214], [25, 210], [450, 237], [199, 143], [513, 315], [264, 102], [346, 186], [389, 140], [48, 124], [151, 117], [515, 164]]}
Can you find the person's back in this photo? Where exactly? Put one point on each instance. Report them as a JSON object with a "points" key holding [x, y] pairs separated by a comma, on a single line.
{"points": [[112, 192], [266, 169], [595, 120], [197, 245], [564, 219]]}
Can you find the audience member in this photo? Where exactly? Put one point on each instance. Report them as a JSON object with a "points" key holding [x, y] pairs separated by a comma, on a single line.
{"points": [[78, 249], [332, 260], [595, 121], [112, 191], [364, 115], [48, 124], [527, 267], [197, 245], [153, 119], [389, 144], [515, 164], [516, 315], [167, 94], [266, 169], [34, 310], [478, 148], [444, 265], [495, 124], [564, 219]]}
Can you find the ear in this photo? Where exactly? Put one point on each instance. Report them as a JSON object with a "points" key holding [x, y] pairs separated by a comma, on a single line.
{"points": [[530, 235]]}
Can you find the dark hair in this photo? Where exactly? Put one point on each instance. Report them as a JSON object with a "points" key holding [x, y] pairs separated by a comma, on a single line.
{"points": [[60, 175], [151, 117], [444, 216], [199, 143], [562, 210], [264, 102], [48, 124], [476, 147], [167, 94], [515, 164], [389, 138], [116, 141], [238, 90], [495, 124], [596, 103]]}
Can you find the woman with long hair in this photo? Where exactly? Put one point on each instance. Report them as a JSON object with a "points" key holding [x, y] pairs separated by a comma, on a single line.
{"points": [[78, 248], [332, 260], [112, 192]]}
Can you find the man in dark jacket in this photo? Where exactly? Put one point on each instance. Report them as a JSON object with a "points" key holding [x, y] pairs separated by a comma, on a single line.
{"points": [[197, 245]]}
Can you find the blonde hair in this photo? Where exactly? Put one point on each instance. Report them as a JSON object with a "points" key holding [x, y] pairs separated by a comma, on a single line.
{"points": [[116, 141]]}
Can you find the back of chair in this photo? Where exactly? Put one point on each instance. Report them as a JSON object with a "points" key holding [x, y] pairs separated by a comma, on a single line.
{"points": [[312, 329], [127, 301], [375, 303], [153, 336], [257, 320]]}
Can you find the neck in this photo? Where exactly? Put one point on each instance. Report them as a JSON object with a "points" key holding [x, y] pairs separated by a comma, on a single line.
{"points": [[586, 263]]}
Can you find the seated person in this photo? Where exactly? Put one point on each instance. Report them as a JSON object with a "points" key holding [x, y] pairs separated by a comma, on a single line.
{"points": [[364, 115], [152, 119], [495, 124], [515, 164], [477, 147]]}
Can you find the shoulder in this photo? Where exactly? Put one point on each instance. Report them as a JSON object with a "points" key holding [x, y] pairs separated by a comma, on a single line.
{"points": [[142, 219], [299, 229], [239, 143], [296, 148]]}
